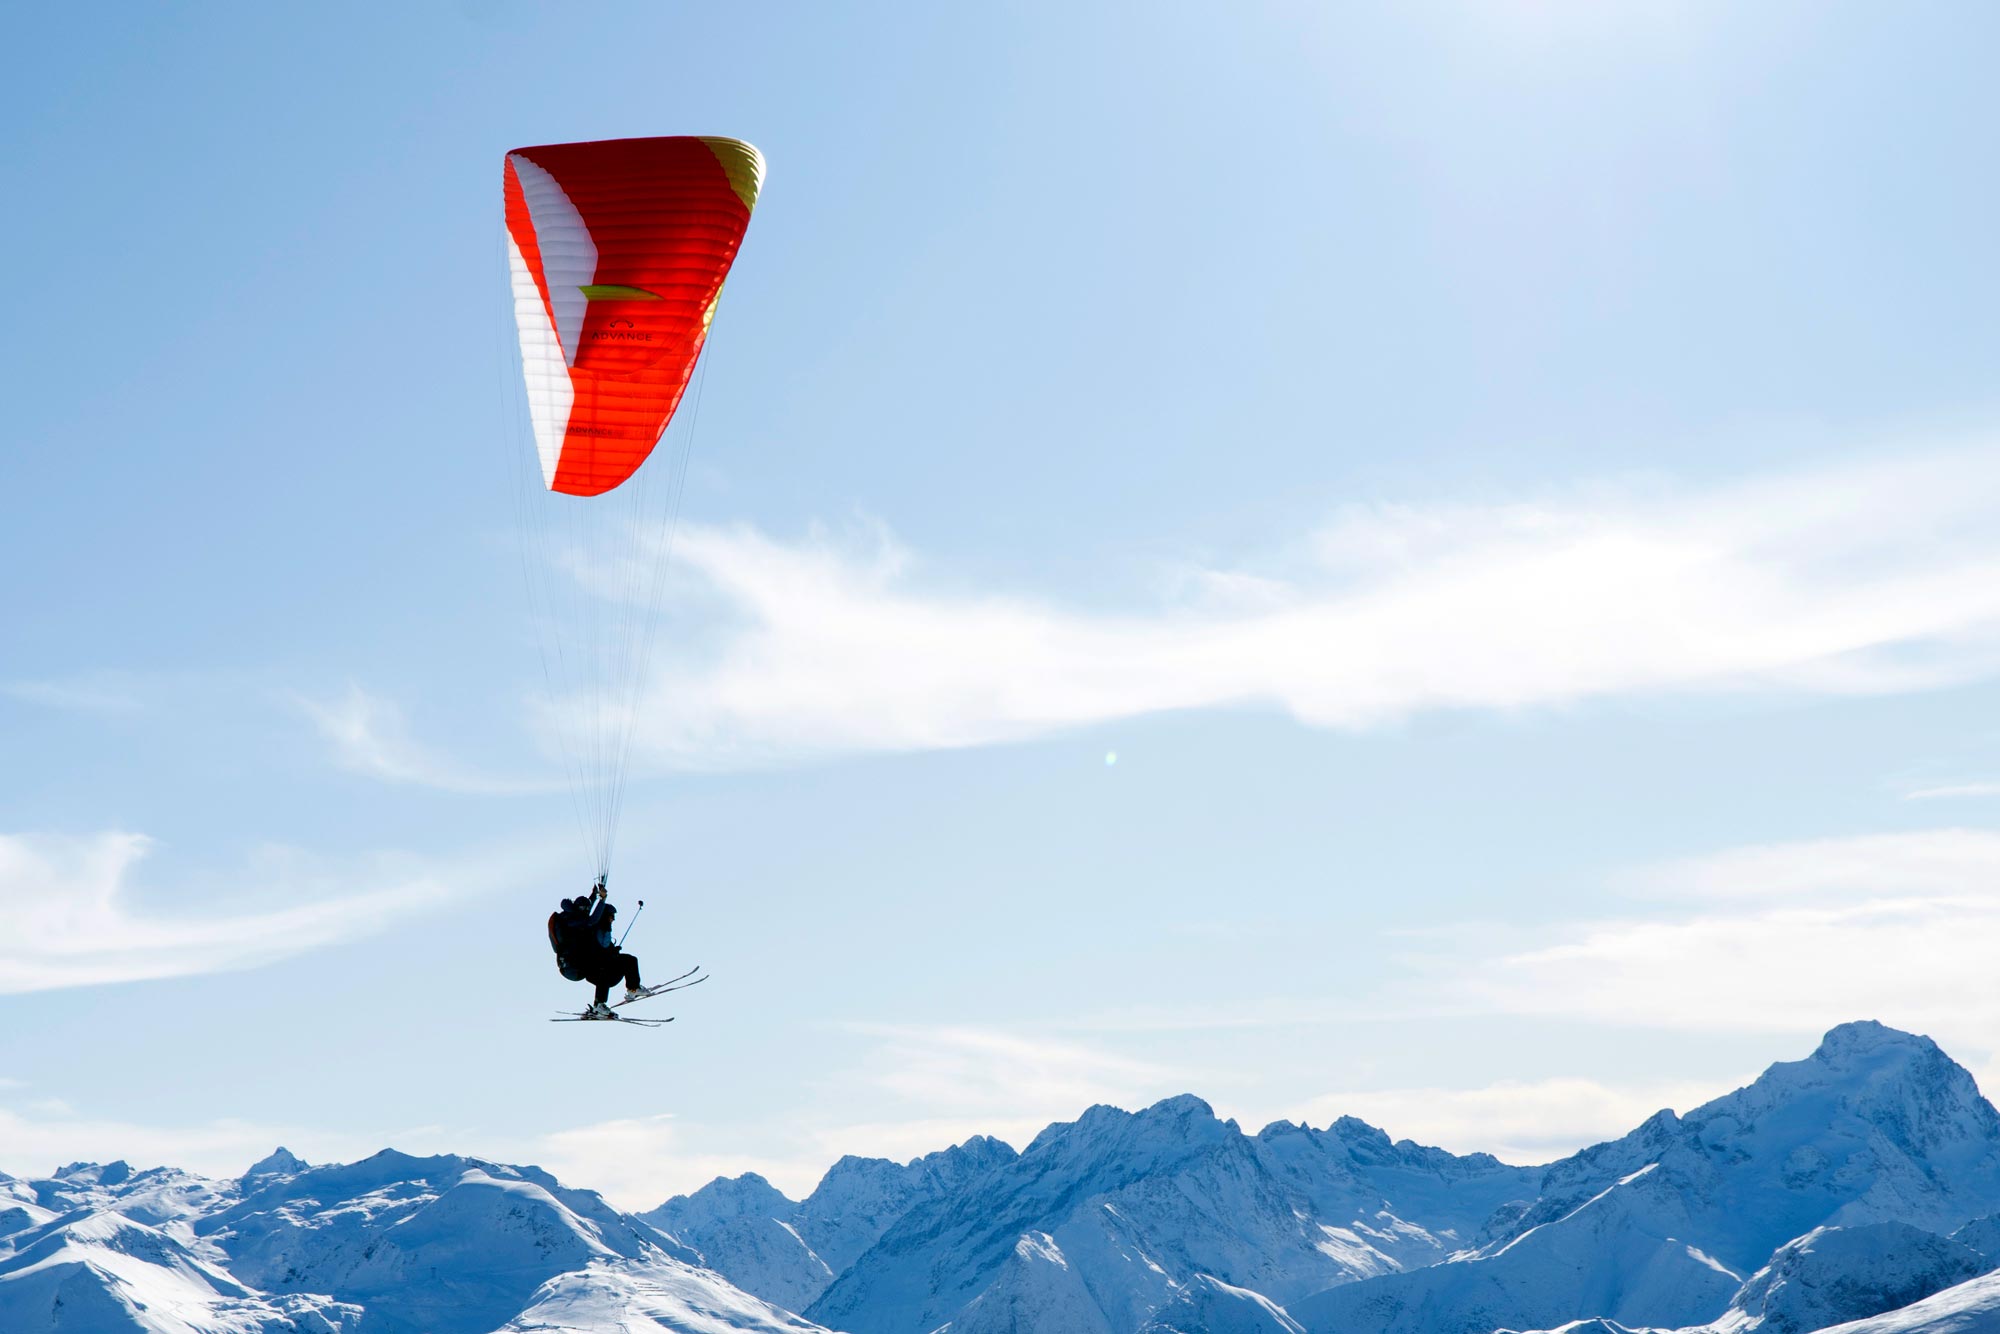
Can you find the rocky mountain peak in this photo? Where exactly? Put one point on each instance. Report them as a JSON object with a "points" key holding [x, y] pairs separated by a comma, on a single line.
{"points": [[101, 1174], [279, 1162]]}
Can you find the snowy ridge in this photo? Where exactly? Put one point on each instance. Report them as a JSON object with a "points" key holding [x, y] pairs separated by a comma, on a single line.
{"points": [[1207, 1305], [650, 1299], [389, 1245], [1983, 1236]]}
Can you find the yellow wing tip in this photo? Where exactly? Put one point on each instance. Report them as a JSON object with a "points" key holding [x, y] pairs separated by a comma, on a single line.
{"points": [[742, 163]]}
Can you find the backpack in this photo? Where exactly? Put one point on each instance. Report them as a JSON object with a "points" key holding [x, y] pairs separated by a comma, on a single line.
{"points": [[563, 965]]}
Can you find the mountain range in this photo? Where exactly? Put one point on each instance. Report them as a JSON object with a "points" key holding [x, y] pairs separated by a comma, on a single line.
{"points": [[1857, 1189]]}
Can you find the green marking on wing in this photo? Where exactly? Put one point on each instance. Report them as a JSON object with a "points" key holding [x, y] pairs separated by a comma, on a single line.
{"points": [[613, 292]]}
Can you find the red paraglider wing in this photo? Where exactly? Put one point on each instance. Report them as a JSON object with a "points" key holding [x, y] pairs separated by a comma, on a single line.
{"points": [[618, 250]]}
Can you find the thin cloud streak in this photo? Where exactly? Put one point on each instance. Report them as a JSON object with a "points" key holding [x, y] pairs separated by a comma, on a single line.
{"points": [[1517, 1121], [1863, 579], [1930, 862], [91, 694], [97, 938], [1781, 938], [950, 1071], [1951, 790], [369, 736]]}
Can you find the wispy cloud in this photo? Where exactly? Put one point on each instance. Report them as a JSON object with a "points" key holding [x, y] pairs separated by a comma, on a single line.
{"points": [[1786, 937], [1867, 578], [370, 736], [96, 693], [1518, 1121], [958, 1069], [1949, 790], [1855, 868], [97, 937]]}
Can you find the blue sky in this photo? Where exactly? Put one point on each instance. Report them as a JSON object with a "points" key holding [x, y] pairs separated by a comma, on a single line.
{"points": [[1512, 484]]}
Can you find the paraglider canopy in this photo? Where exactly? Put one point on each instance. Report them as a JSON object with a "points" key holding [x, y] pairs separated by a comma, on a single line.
{"points": [[618, 250]]}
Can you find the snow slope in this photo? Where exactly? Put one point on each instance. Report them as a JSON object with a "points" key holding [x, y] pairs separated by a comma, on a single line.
{"points": [[1832, 1275], [1618, 1255], [747, 1230], [1037, 1288], [1207, 1305], [100, 1271], [650, 1298], [440, 1245], [1968, 1308]]}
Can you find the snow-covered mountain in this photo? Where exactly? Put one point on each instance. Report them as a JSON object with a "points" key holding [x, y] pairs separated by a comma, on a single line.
{"points": [[787, 1252], [1109, 1219], [1660, 1227], [390, 1245], [482, 1238], [1859, 1185], [1819, 1193]]}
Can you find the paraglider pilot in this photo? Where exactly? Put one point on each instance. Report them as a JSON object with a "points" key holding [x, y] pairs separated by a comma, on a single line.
{"points": [[589, 953]]}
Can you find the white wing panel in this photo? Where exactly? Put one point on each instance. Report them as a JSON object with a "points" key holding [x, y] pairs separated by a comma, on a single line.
{"points": [[569, 256], [543, 365]]}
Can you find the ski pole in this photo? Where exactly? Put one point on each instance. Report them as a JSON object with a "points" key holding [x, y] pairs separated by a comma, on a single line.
{"points": [[634, 922]]}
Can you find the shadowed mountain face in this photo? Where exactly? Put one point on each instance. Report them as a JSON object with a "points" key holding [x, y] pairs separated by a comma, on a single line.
{"points": [[1874, 1126], [787, 1252], [1832, 1275], [1660, 1227]]}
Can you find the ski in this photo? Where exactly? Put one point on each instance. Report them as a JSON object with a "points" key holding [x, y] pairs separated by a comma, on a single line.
{"points": [[665, 987], [610, 1018], [680, 983], [657, 988], [671, 984]]}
